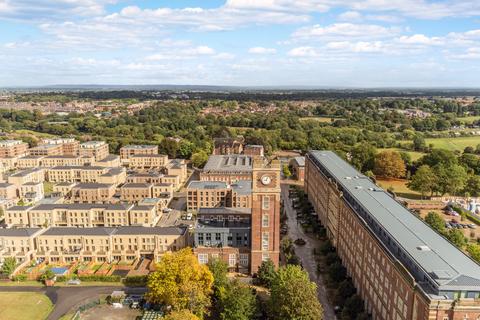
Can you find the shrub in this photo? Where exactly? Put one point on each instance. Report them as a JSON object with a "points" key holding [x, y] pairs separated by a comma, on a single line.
{"points": [[20, 277], [100, 278], [135, 281]]}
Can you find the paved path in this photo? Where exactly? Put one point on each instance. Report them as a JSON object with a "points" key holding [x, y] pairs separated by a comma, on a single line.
{"points": [[305, 253], [66, 299]]}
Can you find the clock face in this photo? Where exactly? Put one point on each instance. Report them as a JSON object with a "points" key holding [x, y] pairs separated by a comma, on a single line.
{"points": [[266, 179]]}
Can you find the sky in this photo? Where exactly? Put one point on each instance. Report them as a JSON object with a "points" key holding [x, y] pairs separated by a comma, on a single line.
{"points": [[315, 43]]}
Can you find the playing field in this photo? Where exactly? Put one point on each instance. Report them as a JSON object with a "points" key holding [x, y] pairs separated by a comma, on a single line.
{"points": [[453, 144], [399, 187], [24, 306]]}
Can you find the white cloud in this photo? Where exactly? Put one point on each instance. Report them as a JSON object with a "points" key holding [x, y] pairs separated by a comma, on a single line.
{"points": [[303, 52], [420, 39], [345, 30], [350, 16], [262, 50]]}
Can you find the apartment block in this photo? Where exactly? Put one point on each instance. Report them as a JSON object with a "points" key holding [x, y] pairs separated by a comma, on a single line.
{"points": [[148, 161], [28, 175], [112, 160], [127, 152], [103, 244], [66, 161], [401, 267], [254, 150], [92, 192], [177, 167], [226, 146], [13, 148], [31, 191], [134, 192], [70, 146], [82, 215], [145, 177], [211, 194], [86, 174], [46, 150], [243, 237], [29, 162], [8, 191], [18, 243], [63, 189], [97, 149], [227, 168]]}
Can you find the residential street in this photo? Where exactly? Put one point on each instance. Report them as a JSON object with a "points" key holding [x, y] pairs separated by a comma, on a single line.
{"points": [[66, 299], [305, 253]]}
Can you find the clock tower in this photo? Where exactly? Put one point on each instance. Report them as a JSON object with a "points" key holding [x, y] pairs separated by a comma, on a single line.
{"points": [[265, 237]]}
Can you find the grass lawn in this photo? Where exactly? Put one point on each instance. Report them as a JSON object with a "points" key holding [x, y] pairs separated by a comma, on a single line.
{"points": [[469, 119], [453, 144], [24, 306], [414, 154], [399, 187], [320, 119]]}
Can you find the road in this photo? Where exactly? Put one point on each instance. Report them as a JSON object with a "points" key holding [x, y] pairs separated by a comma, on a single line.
{"points": [[305, 253], [66, 299]]}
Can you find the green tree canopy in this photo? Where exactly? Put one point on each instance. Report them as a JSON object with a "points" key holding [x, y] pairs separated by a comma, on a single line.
{"points": [[237, 302], [294, 296], [435, 221], [423, 181]]}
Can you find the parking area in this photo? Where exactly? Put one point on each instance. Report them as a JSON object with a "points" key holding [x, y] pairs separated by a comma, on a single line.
{"points": [[469, 229], [108, 312]]}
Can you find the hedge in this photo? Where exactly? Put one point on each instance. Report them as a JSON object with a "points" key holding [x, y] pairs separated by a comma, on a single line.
{"points": [[468, 214], [20, 277], [100, 278], [135, 281]]}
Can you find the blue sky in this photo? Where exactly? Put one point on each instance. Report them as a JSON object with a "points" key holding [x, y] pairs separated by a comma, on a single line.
{"points": [[323, 43]]}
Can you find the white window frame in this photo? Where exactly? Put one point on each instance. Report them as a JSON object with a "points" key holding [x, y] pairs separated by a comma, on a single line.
{"points": [[265, 220], [232, 260], [203, 258], [265, 202]]}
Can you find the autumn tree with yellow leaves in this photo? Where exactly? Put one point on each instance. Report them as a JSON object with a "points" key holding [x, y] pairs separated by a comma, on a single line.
{"points": [[181, 282]]}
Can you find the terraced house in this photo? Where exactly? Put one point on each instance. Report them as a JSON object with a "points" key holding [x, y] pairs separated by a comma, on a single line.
{"points": [[401, 267]]}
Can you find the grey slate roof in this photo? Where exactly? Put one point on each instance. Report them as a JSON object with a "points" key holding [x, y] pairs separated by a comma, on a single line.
{"points": [[22, 232], [207, 185], [242, 187], [437, 259], [71, 231], [229, 163], [133, 230], [300, 161], [224, 210]]}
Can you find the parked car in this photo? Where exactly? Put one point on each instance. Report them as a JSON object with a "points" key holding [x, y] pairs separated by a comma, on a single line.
{"points": [[300, 242], [166, 210], [74, 282], [189, 216], [472, 226]]}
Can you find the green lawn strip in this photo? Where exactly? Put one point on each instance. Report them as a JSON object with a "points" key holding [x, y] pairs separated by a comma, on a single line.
{"points": [[24, 306]]}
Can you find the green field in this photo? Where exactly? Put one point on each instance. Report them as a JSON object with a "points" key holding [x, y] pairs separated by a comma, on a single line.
{"points": [[469, 119], [399, 187], [320, 119], [24, 306], [453, 144]]}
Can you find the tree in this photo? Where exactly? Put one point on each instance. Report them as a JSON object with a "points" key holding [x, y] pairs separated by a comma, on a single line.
{"points": [[363, 156], [286, 171], [294, 296], [219, 270], [9, 265], [181, 315], [439, 156], [457, 238], [266, 272], [450, 179], [423, 181], [472, 185], [238, 302], [199, 159], [344, 291], [182, 282], [353, 307], [435, 221], [419, 143], [474, 251], [389, 164]]}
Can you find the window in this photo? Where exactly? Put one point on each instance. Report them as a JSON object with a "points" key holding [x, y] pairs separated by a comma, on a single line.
{"points": [[203, 258], [265, 202], [265, 256], [244, 259], [265, 241], [265, 220], [232, 260]]}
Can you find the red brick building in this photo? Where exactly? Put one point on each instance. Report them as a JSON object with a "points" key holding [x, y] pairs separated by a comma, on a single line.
{"points": [[401, 268]]}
